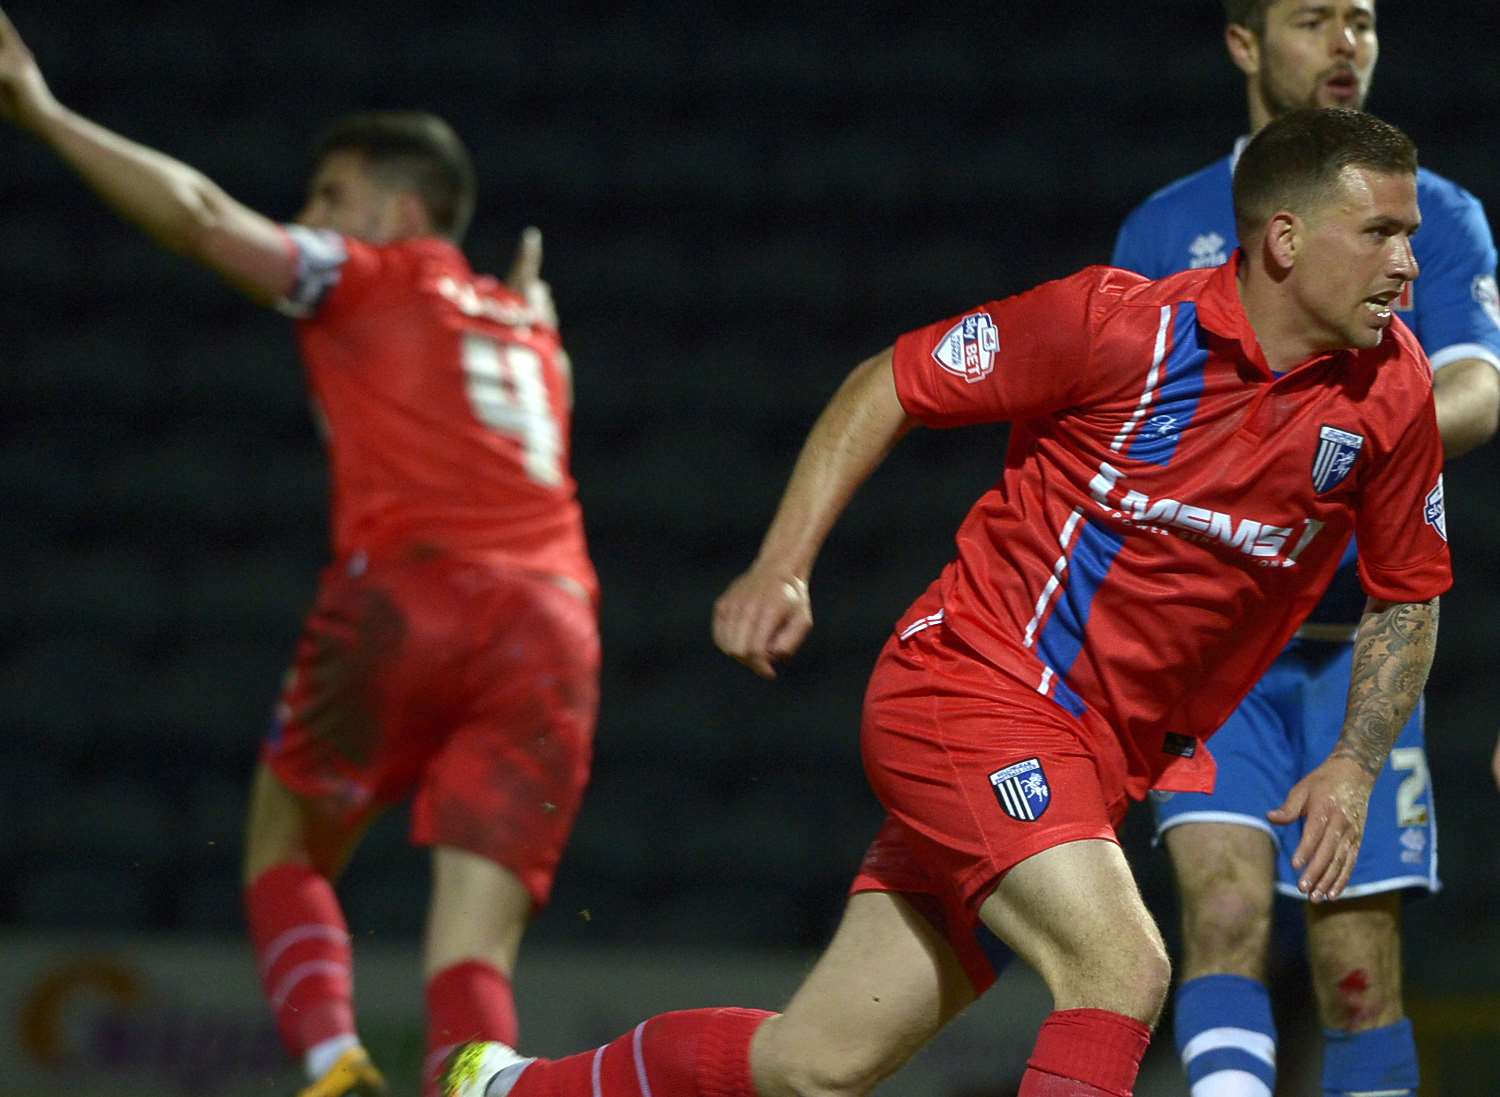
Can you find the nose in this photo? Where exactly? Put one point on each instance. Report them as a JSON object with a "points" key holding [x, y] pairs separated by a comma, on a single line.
{"points": [[1343, 43], [1404, 261]]}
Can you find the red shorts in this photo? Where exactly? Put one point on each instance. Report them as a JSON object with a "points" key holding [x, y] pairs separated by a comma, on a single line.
{"points": [[977, 772], [473, 686]]}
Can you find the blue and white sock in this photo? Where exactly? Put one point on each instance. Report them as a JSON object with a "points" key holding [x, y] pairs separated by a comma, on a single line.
{"points": [[1379, 1062], [1226, 1036]]}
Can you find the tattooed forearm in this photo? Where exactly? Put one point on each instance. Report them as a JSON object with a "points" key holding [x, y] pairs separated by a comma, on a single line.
{"points": [[1392, 655]]}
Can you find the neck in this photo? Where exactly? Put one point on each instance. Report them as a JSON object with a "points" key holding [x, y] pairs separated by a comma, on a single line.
{"points": [[1281, 331], [1260, 115]]}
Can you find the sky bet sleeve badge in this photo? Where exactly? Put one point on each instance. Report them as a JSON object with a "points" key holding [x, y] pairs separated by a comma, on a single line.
{"points": [[1433, 510], [1022, 790], [969, 347]]}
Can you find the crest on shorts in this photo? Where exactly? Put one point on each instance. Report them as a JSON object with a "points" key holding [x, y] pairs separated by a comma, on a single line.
{"points": [[1337, 450], [1022, 790], [969, 347]]}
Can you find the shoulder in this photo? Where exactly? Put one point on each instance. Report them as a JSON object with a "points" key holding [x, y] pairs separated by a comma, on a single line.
{"points": [[1190, 192], [422, 256], [340, 276], [1445, 196], [1094, 287], [1448, 211], [1188, 223], [1140, 292]]}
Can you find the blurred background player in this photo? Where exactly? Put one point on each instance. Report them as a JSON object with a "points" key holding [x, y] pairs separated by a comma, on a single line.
{"points": [[452, 650], [1051, 675], [1296, 53]]}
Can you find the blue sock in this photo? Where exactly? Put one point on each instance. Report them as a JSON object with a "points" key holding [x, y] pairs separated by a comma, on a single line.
{"points": [[1226, 1037], [1379, 1060]]}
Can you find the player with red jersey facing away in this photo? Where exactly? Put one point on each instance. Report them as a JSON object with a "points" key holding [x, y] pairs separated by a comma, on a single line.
{"points": [[452, 652], [1187, 459]]}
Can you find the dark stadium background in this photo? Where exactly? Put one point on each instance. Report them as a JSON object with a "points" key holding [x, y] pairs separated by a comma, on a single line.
{"points": [[740, 202]]}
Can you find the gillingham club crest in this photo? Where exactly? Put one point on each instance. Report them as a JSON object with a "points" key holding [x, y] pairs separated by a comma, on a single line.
{"points": [[1337, 450], [969, 347], [1022, 790]]}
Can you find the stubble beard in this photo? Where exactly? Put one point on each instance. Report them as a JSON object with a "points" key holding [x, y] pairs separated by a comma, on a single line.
{"points": [[1278, 100]]}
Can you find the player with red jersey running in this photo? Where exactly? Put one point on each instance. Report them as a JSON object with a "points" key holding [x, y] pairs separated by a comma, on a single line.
{"points": [[1187, 460], [452, 652]]}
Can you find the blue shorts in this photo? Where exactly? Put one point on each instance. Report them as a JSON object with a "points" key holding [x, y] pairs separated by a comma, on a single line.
{"points": [[1283, 729]]}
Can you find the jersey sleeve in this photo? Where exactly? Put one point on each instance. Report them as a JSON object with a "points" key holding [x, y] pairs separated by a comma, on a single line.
{"points": [[1457, 309], [333, 271], [1012, 359], [1400, 525]]}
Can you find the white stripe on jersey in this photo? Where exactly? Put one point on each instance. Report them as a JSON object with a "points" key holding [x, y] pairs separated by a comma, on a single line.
{"points": [[1152, 376], [920, 624], [1055, 581]]}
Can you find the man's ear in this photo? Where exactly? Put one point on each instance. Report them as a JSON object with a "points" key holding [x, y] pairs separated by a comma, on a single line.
{"points": [[1244, 48], [1283, 240]]}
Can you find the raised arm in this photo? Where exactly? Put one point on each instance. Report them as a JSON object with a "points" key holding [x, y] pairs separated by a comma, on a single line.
{"points": [[764, 614], [1392, 655], [174, 204]]}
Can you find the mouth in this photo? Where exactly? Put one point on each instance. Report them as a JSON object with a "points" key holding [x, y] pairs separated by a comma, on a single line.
{"points": [[1342, 84], [1379, 306]]}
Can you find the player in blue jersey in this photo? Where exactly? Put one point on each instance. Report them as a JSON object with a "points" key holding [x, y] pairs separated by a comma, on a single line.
{"points": [[1298, 53]]}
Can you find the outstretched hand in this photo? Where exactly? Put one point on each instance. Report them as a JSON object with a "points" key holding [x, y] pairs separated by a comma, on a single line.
{"points": [[525, 277], [762, 618], [1332, 801], [24, 97]]}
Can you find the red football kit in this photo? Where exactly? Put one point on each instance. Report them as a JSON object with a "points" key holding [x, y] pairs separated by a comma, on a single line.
{"points": [[453, 646], [1170, 511]]}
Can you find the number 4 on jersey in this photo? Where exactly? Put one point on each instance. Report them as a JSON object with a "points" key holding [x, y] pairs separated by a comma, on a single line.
{"points": [[509, 395]]}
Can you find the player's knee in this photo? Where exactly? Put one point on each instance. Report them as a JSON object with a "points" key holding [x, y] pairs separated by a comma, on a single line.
{"points": [[1153, 980], [1227, 926], [791, 1063], [834, 1076], [1357, 1002], [1129, 976]]}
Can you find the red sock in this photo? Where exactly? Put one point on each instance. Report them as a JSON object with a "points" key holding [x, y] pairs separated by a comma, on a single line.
{"points": [[1086, 1053], [302, 946], [466, 1001], [690, 1053]]}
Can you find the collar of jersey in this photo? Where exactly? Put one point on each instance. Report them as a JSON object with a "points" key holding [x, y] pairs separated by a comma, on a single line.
{"points": [[1220, 311]]}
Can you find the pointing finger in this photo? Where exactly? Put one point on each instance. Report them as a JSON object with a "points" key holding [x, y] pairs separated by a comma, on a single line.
{"points": [[526, 268]]}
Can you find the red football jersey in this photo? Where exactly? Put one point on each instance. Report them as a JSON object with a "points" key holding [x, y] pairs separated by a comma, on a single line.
{"points": [[1171, 509], [445, 405]]}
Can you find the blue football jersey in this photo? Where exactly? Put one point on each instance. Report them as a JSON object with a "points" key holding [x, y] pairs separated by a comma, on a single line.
{"points": [[1452, 308]]}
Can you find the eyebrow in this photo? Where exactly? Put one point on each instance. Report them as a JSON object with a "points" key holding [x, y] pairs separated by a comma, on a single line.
{"points": [[1385, 221], [1367, 10]]}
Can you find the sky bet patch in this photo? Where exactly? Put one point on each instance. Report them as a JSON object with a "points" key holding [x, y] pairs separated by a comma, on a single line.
{"points": [[969, 348]]}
